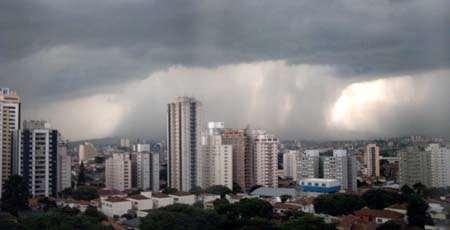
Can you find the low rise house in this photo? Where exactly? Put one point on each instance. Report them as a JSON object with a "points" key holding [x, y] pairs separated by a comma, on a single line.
{"points": [[161, 200], [306, 204], [378, 216], [115, 206], [140, 202], [399, 208], [183, 198]]}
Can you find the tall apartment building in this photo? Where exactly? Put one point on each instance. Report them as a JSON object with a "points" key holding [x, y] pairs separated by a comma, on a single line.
{"points": [[215, 161], [147, 171], [9, 122], [118, 172], [440, 165], [183, 142], [372, 160], [265, 147], [36, 157], [308, 165], [64, 165], [238, 141], [342, 167], [415, 166], [290, 164], [86, 151]]}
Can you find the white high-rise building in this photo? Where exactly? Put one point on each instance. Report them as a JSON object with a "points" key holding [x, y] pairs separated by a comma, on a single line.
{"points": [[308, 165], [183, 142], [9, 123], [342, 167], [64, 168], [125, 142], [147, 171], [35, 157], [414, 166], [118, 172], [440, 165], [142, 148], [86, 151], [372, 160], [290, 164], [215, 161], [265, 150]]}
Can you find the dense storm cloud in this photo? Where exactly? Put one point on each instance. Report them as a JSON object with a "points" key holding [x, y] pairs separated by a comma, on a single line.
{"points": [[306, 69]]}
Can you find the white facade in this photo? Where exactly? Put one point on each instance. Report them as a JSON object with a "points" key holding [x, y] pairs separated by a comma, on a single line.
{"points": [[86, 151], [64, 168], [266, 160], [440, 165], [372, 160], [183, 142], [9, 123], [147, 171], [215, 161], [118, 172], [180, 198], [142, 148], [125, 142], [115, 206], [290, 164], [342, 167], [308, 165], [161, 200], [140, 202]]}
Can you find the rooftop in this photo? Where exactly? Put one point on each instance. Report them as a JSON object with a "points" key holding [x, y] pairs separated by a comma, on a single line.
{"points": [[160, 195], [290, 206], [115, 199], [379, 213], [139, 197], [274, 192], [180, 193]]}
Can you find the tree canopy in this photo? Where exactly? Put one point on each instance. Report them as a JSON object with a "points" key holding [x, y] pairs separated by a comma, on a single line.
{"points": [[380, 199], [15, 195], [85, 193], [338, 204]]}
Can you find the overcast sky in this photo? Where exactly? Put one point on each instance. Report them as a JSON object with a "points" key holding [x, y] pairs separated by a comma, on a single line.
{"points": [[329, 69]]}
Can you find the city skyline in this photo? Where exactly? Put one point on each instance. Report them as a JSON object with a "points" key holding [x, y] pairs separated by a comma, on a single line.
{"points": [[309, 70]]}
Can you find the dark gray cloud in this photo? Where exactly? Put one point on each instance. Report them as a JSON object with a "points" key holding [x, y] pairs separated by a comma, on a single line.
{"points": [[57, 50]]}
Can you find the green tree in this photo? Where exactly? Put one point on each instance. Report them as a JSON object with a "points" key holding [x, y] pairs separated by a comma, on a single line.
{"points": [[338, 204], [417, 212], [179, 216], [254, 207], [307, 222], [420, 189], [406, 192], [85, 193], [81, 175], [15, 195], [219, 190], [197, 190], [59, 219], [258, 223], [236, 188], [92, 212], [379, 199]]}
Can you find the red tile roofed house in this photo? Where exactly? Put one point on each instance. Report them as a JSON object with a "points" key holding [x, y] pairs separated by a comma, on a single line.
{"points": [[399, 208], [378, 216], [352, 222]]}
